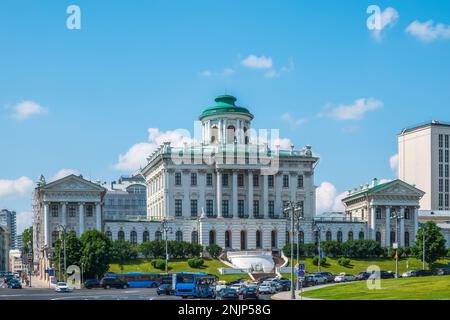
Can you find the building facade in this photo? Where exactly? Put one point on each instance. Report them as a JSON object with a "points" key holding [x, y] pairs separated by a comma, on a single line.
{"points": [[4, 248], [8, 220], [15, 261], [424, 162], [442, 220]]}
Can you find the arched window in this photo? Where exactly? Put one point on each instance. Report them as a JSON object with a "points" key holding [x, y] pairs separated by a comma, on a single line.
{"points": [[328, 236], [339, 236], [361, 235], [194, 237], [214, 134], [243, 240], [109, 234], [301, 237], [158, 235], [392, 237], [350, 236], [406, 239], [133, 237], [231, 134], [121, 235], [378, 237], [228, 239], [145, 236], [212, 237], [258, 239], [273, 239], [179, 236], [55, 235]]}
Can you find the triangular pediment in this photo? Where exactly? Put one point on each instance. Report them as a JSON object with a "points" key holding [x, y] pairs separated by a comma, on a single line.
{"points": [[398, 187], [73, 183]]}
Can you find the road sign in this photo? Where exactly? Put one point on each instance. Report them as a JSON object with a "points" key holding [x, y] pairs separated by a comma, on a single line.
{"points": [[302, 266], [300, 273], [395, 245]]}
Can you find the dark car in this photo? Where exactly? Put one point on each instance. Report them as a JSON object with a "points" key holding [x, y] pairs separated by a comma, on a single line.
{"points": [[92, 283], [250, 293], [387, 274], [14, 284], [165, 288], [442, 271], [330, 277], [285, 285], [229, 294], [107, 283], [420, 273], [308, 281], [236, 281], [363, 275]]}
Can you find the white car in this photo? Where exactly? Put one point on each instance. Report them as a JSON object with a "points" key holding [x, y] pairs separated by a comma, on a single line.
{"points": [[63, 287], [318, 279], [344, 277], [266, 288]]}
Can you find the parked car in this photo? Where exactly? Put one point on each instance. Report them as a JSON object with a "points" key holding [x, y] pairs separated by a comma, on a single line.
{"points": [[328, 275], [266, 288], [285, 285], [417, 273], [318, 279], [107, 283], [229, 294], [236, 281], [344, 277], [308, 281], [442, 271], [250, 293], [387, 274], [63, 287], [165, 288], [363, 275], [266, 278], [14, 284], [92, 283]]}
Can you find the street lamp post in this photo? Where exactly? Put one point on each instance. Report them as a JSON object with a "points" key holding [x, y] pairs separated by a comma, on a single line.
{"points": [[423, 247], [298, 217], [318, 230], [166, 229], [397, 216], [291, 210], [64, 229]]}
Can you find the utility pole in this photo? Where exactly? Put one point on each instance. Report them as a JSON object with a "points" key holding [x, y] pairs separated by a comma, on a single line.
{"points": [[64, 229], [397, 216], [317, 229], [166, 229], [423, 247]]}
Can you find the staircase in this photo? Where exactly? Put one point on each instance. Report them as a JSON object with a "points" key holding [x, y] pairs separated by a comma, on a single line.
{"points": [[278, 262]]}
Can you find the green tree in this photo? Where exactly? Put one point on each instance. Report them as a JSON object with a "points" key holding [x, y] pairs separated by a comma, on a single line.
{"points": [[122, 252], [434, 243], [28, 240], [214, 250], [73, 251], [96, 253]]}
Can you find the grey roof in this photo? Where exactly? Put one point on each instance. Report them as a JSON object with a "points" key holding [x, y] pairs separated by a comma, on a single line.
{"points": [[425, 125]]}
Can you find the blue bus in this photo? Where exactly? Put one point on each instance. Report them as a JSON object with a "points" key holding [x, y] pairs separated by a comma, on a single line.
{"points": [[194, 284], [139, 279]]}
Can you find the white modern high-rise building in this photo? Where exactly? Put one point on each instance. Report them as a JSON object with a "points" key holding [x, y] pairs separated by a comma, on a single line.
{"points": [[8, 220], [424, 162]]}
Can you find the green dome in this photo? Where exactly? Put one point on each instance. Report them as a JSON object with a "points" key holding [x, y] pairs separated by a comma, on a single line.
{"points": [[224, 104]]}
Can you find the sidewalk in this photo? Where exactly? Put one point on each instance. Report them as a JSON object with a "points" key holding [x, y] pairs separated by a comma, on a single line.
{"points": [[286, 295], [38, 283]]}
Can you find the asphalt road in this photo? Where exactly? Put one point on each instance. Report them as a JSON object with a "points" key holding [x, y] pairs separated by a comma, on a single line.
{"points": [[88, 294]]}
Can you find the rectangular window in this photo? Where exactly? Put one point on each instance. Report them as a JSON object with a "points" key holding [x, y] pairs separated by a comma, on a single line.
{"points": [[209, 180], [446, 170], [89, 211], [300, 181], [446, 199], [256, 180], [441, 141], [111, 202], [441, 171], [241, 207], [378, 213], [240, 180], [225, 180], [209, 207], [193, 179], [271, 208], [441, 185], [178, 207], [225, 211], [270, 181], [446, 156], [441, 155], [72, 211], [285, 181], [177, 178], [194, 208], [54, 210], [446, 141], [407, 214], [446, 185], [441, 200], [256, 208]]}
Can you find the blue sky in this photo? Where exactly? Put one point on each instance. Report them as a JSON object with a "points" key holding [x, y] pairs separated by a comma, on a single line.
{"points": [[78, 99]]}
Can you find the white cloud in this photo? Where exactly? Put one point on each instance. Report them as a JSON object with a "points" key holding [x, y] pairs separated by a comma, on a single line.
{"points": [[328, 199], [355, 111], [64, 173], [273, 73], [388, 18], [26, 109], [206, 73], [292, 121], [255, 62], [136, 156], [224, 73], [23, 221], [427, 31], [393, 162], [15, 188]]}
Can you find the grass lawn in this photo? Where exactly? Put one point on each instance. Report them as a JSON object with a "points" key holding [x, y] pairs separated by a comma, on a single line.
{"points": [[358, 265], [143, 265], [421, 288]]}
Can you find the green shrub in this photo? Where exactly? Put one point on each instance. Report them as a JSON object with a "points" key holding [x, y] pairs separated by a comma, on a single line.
{"points": [[315, 261], [196, 263], [214, 250], [345, 262], [159, 264]]}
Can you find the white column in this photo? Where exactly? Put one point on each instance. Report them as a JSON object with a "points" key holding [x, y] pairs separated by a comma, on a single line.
{"points": [[202, 191], [98, 216], [265, 195], [219, 193], [250, 194], [278, 204], [293, 186], [234, 208], [166, 193], [81, 213], [46, 224], [388, 226], [64, 213], [401, 236], [372, 223]]}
